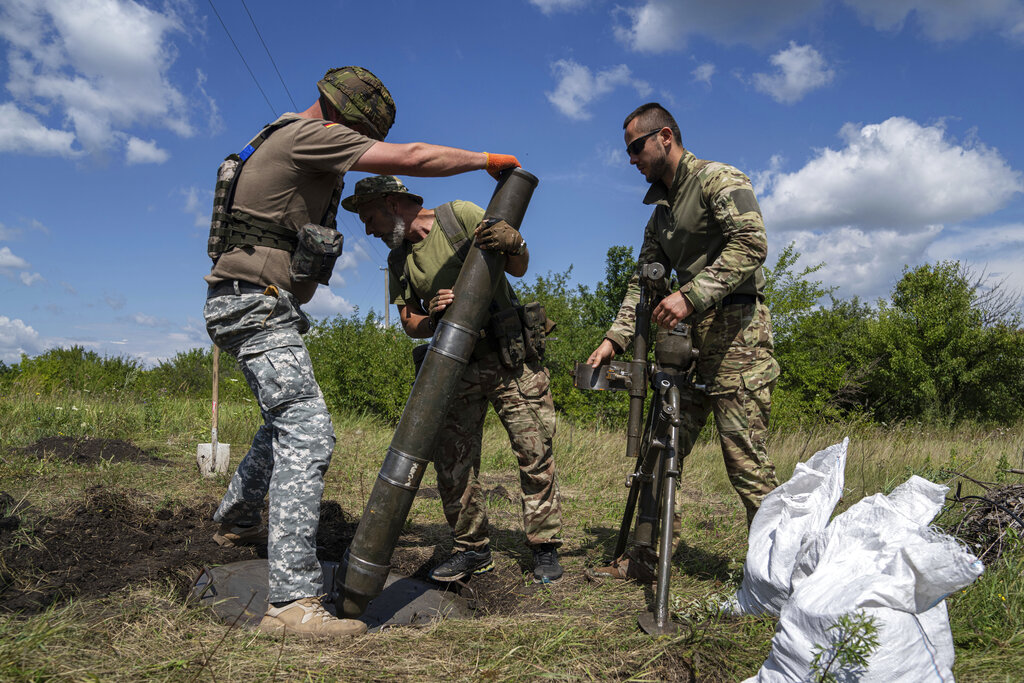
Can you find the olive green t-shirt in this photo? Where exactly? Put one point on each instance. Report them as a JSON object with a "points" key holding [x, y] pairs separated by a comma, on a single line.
{"points": [[432, 264], [289, 181]]}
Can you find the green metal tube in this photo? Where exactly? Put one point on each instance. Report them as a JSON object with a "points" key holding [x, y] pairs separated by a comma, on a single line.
{"points": [[367, 561]]}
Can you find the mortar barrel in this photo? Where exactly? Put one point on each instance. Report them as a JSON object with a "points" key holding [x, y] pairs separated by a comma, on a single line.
{"points": [[367, 561]]}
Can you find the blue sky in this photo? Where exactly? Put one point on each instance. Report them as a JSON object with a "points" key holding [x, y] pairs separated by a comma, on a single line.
{"points": [[878, 133]]}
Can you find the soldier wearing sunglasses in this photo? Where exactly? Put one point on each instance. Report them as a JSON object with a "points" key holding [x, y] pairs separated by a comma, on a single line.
{"points": [[707, 228]]}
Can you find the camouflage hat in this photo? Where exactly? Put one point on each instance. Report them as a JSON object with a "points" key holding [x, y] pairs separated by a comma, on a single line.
{"points": [[359, 97], [376, 186]]}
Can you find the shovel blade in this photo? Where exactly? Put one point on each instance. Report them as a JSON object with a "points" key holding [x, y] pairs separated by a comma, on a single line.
{"points": [[211, 464]]}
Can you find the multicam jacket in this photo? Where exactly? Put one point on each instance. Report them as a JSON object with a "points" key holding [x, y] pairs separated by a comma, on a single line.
{"points": [[708, 228]]}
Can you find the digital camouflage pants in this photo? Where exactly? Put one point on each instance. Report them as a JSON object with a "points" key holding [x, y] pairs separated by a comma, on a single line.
{"points": [[522, 400], [738, 372], [291, 451]]}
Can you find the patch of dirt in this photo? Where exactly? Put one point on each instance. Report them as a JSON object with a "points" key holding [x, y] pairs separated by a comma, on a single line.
{"points": [[984, 528], [89, 451], [108, 542]]}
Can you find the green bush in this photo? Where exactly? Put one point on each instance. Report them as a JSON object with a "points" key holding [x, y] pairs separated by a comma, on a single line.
{"points": [[361, 365], [76, 369]]}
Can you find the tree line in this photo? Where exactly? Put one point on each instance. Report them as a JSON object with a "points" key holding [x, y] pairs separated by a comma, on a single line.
{"points": [[946, 347]]}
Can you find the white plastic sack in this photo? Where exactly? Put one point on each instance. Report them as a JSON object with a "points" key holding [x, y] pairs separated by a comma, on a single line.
{"points": [[881, 558], [789, 515]]}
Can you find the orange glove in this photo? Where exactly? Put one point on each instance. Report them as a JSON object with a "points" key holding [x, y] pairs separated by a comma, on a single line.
{"points": [[496, 163]]}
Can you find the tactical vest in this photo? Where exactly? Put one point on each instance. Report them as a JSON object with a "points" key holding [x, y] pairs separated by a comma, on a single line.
{"points": [[230, 228]]}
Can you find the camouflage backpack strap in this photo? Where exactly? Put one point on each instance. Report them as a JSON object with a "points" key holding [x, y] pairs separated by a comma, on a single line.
{"points": [[453, 230], [237, 228]]}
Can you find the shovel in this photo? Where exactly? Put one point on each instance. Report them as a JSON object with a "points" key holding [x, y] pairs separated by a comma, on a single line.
{"points": [[213, 457]]}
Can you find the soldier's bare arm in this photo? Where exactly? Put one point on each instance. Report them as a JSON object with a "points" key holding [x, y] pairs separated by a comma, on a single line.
{"points": [[415, 321], [426, 160]]}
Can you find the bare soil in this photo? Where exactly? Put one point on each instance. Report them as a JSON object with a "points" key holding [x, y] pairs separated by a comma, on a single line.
{"points": [[115, 538]]}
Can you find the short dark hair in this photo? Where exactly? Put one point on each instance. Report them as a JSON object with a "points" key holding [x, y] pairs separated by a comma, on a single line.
{"points": [[653, 116]]}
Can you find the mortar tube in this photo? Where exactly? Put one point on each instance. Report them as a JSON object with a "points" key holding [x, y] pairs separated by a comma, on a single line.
{"points": [[367, 561]]}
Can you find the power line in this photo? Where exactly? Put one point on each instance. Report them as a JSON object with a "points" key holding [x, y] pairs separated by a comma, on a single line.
{"points": [[272, 110], [294, 106]]}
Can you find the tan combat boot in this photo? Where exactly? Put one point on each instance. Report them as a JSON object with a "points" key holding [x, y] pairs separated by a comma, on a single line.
{"points": [[230, 535], [636, 564], [307, 618]]}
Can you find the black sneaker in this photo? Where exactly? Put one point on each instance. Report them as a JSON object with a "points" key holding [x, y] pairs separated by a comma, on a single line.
{"points": [[545, 564], [461, 564]]}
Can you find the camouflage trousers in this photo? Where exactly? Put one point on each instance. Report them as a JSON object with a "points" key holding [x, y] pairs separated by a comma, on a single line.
{"points": [[522, 400], [738, 371], [291, 451]]}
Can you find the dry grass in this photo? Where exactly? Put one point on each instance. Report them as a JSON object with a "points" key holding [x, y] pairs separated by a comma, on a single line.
{"points": [[572, 630]]}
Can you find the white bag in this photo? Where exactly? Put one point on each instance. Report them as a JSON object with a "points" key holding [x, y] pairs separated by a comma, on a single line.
{"points": [[789, 515], [880, 558]]}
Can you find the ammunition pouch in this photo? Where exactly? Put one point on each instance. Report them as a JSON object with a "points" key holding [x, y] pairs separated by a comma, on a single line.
{"points": [[316, 251], [506, 331], [535, 328], [518, 334]]}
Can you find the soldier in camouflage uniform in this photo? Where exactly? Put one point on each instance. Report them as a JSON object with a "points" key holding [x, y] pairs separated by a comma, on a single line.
{"points": [[253, 311], [428, 249], [707, 227]]}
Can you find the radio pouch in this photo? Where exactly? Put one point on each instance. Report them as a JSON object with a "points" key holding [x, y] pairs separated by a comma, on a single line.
{"points": [[316, 252]]}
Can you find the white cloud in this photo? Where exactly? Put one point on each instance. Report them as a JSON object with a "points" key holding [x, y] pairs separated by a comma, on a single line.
{"points": [[703, 73], [862, 263], [144, 152], [198, 203], [997, 250], [29, 279], [148, 320], [578, 87], [9, 261], [662, 25], [943, 21], [100, 65], [552, 6], [799, 70], [892, 174], [22, 132], [353, 255], [8, 233], [17, 338], [326, 303]]}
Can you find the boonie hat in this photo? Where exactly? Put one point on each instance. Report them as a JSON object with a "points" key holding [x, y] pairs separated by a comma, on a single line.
{"points": [[359, 97], [370, 188]]}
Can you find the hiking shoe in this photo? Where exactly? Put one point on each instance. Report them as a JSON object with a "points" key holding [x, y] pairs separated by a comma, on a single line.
{"points": [[307, 618], [461, 564], [231, 535], [545, 564], [628, 566]]}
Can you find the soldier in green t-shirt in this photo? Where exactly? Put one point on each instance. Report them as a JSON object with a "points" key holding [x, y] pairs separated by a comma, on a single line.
{"points": [[427, 251]]}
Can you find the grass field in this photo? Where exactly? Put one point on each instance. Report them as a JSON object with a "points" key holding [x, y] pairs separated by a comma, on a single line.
{"points": [[140, 628]]}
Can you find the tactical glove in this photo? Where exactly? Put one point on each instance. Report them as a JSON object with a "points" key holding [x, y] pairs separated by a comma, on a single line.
{"points": [[497, 235], [496, 163]]}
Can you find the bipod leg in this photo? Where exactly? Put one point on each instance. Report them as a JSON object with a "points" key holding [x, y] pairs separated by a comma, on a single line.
{"points": [[639, 484], [659, 622]]}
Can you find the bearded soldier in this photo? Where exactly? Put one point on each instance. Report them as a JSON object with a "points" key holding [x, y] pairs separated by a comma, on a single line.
{"points": [[428, 247], [272, 241]]}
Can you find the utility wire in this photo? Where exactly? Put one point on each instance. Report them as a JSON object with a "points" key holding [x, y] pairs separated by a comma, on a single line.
{"points": [[272, 110], [294, 106]]}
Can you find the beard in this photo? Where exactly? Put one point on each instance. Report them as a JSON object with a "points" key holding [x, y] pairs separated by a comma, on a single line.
{"points": [[397, 236]]}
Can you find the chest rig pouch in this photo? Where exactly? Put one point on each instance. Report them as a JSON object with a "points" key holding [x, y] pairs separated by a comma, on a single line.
{"points": [[314, 248]]}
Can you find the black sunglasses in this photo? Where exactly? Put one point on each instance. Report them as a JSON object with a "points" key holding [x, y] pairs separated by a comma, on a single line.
{"points": [[637, 145]]}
